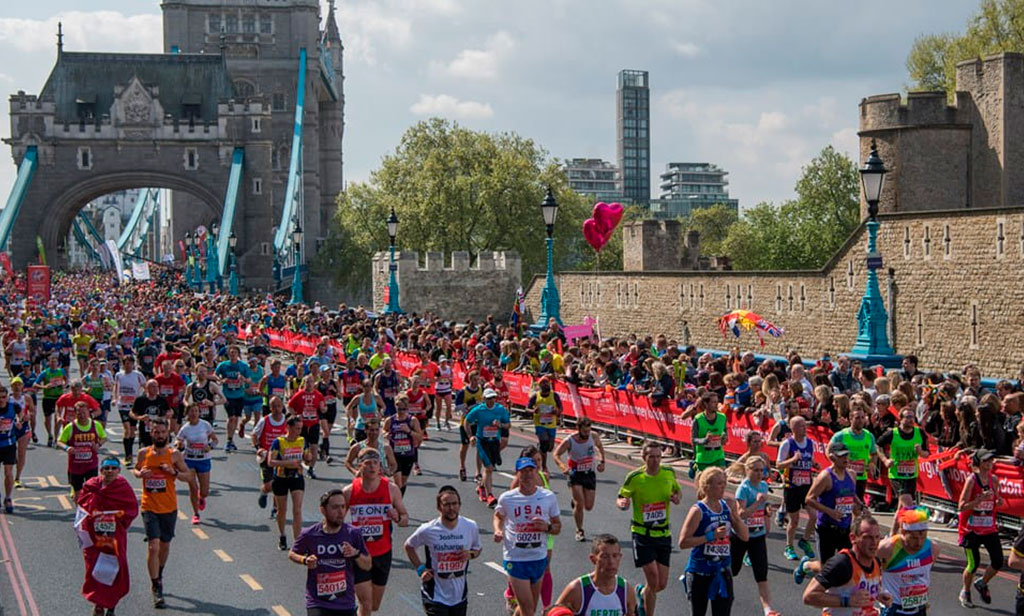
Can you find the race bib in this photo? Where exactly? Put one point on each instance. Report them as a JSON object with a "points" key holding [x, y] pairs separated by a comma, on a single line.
{"points": [[584, 465], [310, 415], [449, 562], [655, 512], [291, 453], [372, 530], [277, 391], [401, 446], [906, 467], [844, 505], [491, 432], [6, 424], [83, 453], [155, 484], [718, 548], [756, 520], [713, 441], [195, 451], [546, 418], [331, 583], [801, 477], [525, 537], [981, 521], [127, 399], [105, 525], [913, 596], [856, 467], [166, 391]]}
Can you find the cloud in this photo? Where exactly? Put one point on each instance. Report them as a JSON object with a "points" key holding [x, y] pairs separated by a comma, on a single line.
{"points": [[687, 50], [479, 63], [847, 141], [445, 105], [85, 31], [367, 28]]}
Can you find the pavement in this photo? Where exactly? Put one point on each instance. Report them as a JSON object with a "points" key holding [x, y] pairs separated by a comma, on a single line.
{"points": [[230, 564]]}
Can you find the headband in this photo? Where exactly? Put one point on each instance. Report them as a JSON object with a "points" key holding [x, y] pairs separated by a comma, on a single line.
{"points": [[111, 462], [369, 455]]}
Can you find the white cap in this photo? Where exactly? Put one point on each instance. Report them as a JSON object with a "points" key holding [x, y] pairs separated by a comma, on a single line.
{"points": [[490, 393]]}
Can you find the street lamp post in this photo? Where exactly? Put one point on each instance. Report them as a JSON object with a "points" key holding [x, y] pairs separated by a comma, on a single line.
{"points": [[188, 258], [393, 306], [233, 278], [872, 336], [193, 248], [297, 273], [550, 303], [212, 266]]}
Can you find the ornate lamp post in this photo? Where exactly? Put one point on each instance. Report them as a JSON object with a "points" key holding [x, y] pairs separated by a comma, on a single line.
{"points": [[297, 272], [188, 258], [233, 278], [212, 267], [549, 300], [872, 336], [393, 306], [193, 248]]}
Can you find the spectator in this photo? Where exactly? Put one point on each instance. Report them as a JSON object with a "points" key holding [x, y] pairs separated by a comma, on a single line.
{"points": [[842, 377], [909, 367], [970, 438]]}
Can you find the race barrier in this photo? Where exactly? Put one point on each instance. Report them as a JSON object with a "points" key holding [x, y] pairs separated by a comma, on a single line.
{"points": [[626, 410]]}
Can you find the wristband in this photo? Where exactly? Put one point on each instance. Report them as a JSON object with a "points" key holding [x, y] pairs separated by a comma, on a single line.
{"points": [[710, 535], [421, 569], [844, 601]]}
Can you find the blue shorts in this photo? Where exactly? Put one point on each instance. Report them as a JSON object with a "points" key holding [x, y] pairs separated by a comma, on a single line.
{"points": [[253, 407], [199, 466], [489, 451], [530, 570]]}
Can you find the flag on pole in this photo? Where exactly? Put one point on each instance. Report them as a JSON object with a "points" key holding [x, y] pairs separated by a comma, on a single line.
{"points": [[42, 251], [518, 308]]}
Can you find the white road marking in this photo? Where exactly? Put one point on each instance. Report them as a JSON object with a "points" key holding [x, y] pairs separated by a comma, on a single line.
{"points": [[504, 474], [495, 566]]}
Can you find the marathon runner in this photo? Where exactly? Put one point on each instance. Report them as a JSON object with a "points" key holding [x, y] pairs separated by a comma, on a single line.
{"points": [[196, 438], [25, 402], [603, 591], [861, 444], [851, 581], [66, 405], [523, 519], [172, 388], [81, 438], [10, 422], [977, 526], [906, 443], [486, 420], [147, 407], [360, 409], [386, 382], [128, 385], [205, 394], [651, 488], [796, 461], [580, 468], [443, 392], [333, 552], [309, 404], [268, 428], [471, 394], [404, 438], [418, 401], [907, 559], [371, 429], [754, 510], [53, 380], [547, 582], [98, 385], [710, 434], [330, 389], [252, 401], [450, 541], [374, 503], [706, 533], [158, 466], [16, 353], [273, 384], [547, 412], [234, 375], [286, 456], [833, 495]]}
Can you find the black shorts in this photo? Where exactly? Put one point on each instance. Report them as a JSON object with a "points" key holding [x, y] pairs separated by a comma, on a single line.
{"points": [[404, 464], [126, 417], [326, 611], [972, 542], [281, 486], [431, 608], [49, 406], [904, 486], [794, 498], [862, 487], [234, 407], [379, 571], [144, 438], [160, 525], [650, 549], [16, 370], [757, 549], [311, 434], [359, 434], [504, 433], [489, 451], [179, 414], [330, 415], [587, 480], [9, 455], [463, 435], [545, 440], [266, 473], [76, 481], [831, 539]]}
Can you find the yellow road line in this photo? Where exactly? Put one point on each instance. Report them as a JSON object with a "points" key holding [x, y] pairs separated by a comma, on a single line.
{"points": [[223, 556], [280, 611], [198, 532], [64, 502], [54, 482], [253, 584], [181, 515]]}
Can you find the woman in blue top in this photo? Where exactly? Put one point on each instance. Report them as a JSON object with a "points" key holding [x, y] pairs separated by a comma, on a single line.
{"points": [[752, 499], [706, 534]]}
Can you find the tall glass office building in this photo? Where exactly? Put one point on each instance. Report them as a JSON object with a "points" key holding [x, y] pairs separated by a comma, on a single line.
{"points": [[690, 186], [632, 129]]}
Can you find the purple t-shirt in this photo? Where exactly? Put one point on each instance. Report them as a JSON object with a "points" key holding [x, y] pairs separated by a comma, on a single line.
{"points": [[332, 583]]}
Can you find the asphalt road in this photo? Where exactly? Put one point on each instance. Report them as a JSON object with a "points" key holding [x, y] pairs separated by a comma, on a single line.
{"points": [[230, 565]]}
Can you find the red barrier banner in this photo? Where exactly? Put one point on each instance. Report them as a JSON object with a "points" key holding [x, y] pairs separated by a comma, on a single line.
{"points": [[38, 289]]}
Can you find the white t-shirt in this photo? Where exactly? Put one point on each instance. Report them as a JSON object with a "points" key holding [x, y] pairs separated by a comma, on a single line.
{"points": [[129, 387], [521, 544], [196, 438], [443, 547]]}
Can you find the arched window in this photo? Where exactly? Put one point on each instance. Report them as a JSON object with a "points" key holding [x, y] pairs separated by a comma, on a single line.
{"points": [[244, 89]]}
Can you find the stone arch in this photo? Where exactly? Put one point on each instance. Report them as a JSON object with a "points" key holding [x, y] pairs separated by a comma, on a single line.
{"points": [[244, 89]]}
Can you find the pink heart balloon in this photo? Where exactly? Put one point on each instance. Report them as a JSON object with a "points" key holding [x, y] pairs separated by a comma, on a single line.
{"points": [[608, 214], [594, 234]]}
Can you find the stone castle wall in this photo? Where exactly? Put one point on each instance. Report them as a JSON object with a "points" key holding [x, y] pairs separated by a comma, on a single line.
{"points": [[451, 286], [957, 292]]}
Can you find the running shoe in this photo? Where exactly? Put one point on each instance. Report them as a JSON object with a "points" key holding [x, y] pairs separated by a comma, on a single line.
{"points": [[241, 431], [746, 560], [71, 492], [447, 426], [982, 588], [8, 506], [230, 446], [481, 494], [49, 441], [17, 483], [129, 463], [202, 504], [195, 520], [282, 543], [311, 474], [790, 553], [965, 599], [640, 609], [491, 501], [416, 470], [329, 460], [273, 512], [263, 500], [426, 435], [805, 545], [580, 535], [35, 439], [692, 471], [462, 474], [799, 575], [478, 478], [158, 596]]}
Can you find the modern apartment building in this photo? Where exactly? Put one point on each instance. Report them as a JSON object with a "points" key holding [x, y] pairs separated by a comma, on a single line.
{"points": [[594, 177], [690, 186], [632, 131]]}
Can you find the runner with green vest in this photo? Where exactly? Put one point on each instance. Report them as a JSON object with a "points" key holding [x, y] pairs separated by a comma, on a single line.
{"points": [[53, 380], [710, 433], [861, 445], [651, 489], [546, 407], [906, 443]]}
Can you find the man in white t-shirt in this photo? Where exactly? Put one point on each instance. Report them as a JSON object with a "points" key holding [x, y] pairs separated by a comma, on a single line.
{"points": [[523, 519], [127, 387], [451, 541]]}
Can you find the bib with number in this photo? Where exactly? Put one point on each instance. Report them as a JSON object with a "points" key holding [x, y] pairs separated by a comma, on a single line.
{"points": [[718, 548], [844, 505], [448, 562], [906, 467], [83, 453], [913, 596], [525, 537], [331, 583], [155, 484], [491, 432], [584, 465], [801, 477], [655, 512]]}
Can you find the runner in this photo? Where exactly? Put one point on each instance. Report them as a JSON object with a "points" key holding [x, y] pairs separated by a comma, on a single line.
{"points": [[309, 404], [651, 488], [547, 582], [196, 438], [833, 495], [252, 401], [333, 553], [205, 394], [234, 375], [754, 510], [81, 438], [172, 388], [10, 422], [67, 402], [128, 385], [450, 541], [273, 384], [547, 413], [27, 405], [366, 405], [907, 559], [52, 380], [486, 420], [468, 397], [710, 434], [285, 456], [523, 519], [851, 581], [706, 533], [404, 438], [374, 503], [861, 444], [330, 389], [443, 392], [268, 428], [580, 469], [371, 429], [1017, 562], [386, 382], [16, 353], [418, 401], [147, 407], [796, 461], [977, 526], [907, 443], [602, 591], [158, 466], [98, 384]]}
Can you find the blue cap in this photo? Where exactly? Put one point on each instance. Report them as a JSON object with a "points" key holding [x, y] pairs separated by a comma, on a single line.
{"points": [[522, 463]]}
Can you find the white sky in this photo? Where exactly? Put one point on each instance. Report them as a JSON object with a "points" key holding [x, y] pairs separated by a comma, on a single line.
{"points": [[756, 87]]}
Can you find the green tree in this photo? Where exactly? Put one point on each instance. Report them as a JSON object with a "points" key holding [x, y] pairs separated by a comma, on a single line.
{"points": [[457, 189], [713, 224], [997, 26]]}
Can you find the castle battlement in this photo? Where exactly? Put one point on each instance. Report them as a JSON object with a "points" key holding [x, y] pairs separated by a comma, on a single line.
{"points": [[920, 109], [459, 261]]}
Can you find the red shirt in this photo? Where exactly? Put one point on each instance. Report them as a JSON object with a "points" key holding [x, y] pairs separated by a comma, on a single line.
{"points": [[429, 373], [66, 404], [307, 404], [171, 388], [172, 357]]}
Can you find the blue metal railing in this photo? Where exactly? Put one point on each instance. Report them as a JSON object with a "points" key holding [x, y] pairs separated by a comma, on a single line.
{"points": [[82, 240], [294, 166], [26, 170], [227, 220], [140, 205]]}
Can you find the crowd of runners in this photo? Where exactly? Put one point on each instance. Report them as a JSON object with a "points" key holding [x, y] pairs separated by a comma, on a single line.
{"points": [[182, 384]]}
